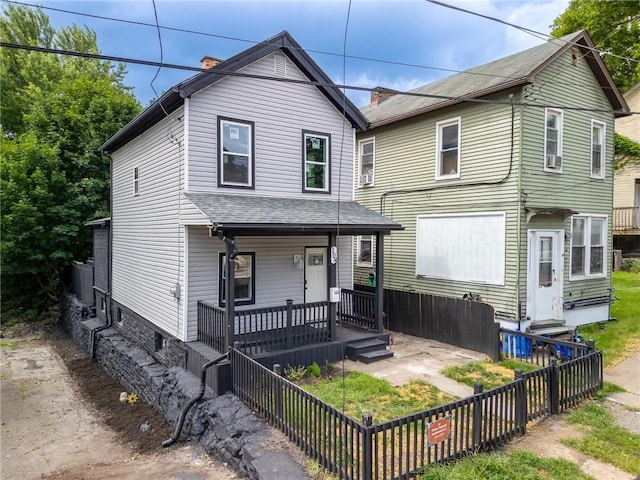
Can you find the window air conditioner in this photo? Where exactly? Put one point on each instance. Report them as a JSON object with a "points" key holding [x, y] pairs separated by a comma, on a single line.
{"points": [[554, 161], [365, 179]]}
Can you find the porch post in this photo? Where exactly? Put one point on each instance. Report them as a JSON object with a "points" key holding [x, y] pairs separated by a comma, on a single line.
{"points": [[230, 289], [333, 282], [379, 300]]}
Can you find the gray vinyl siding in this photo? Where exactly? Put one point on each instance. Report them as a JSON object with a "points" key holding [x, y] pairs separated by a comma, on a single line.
{"points": [[281, 111], [405, 158], [563, 84], [277, 278], [147, 237]]}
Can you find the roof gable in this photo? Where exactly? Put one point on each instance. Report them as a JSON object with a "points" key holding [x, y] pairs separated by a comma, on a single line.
{"points": [[499, 75], [174, 98]]}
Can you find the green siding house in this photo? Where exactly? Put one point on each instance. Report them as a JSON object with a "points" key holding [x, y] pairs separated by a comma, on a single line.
{"points": [[503, 178]]}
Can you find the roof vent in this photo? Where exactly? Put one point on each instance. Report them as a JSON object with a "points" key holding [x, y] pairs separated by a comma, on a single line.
{"points": [[280, 65], [575, 55]]}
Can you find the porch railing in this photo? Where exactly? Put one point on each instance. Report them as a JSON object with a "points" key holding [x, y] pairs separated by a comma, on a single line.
{"points": [[358, 308], [626, 218], [261, 330]]}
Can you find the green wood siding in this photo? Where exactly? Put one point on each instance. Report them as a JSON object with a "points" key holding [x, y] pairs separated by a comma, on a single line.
{"points": [[565, 84]]}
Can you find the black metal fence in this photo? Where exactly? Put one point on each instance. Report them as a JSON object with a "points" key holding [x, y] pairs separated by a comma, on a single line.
{"points": [[358, 308], [403, 447], [537, 349], [82, 281]]}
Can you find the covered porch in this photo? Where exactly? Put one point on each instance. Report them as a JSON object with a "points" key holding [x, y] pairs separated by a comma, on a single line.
{"points": [[290, 243]]}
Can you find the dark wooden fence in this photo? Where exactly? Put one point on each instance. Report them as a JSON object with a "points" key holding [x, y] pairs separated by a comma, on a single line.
{"points": [[404, 447], [459, 322], [82, 281]]}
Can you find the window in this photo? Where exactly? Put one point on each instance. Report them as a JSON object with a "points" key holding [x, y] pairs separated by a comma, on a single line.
{"points": [[367, 150], [466, 247], [448, 149], [553, 140], [244, 275], [598, 130], [136, 181], [316, 148], [364, 251], [235, 153], [588, 237]]}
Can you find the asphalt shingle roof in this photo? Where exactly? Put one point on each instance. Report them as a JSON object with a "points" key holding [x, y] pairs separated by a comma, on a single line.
{"points": [[253, 212]]}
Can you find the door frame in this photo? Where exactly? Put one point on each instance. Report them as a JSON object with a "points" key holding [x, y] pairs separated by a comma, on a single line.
{"points": [[325, 250], [558, 271]]}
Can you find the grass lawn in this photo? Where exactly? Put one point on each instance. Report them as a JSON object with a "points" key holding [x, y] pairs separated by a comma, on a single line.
{"points": [[491, 374], [603, 438], [618, 339], [360, 393], [501, 466]]}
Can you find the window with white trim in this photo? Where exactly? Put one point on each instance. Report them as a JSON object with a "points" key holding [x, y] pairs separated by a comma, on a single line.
{"points": [[588, 246], [448, 149], [316, 149], [367, 151], [598, 137], [136, 181], [364, 251], [553, 140], [467, 247], [244, 278], [235, 153]]}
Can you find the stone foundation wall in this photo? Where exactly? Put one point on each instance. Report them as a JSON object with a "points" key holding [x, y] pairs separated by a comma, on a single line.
{"points": [[223, 425]]}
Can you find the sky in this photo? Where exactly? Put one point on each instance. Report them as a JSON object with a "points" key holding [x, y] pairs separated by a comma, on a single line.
{"points": [[427, 36]]}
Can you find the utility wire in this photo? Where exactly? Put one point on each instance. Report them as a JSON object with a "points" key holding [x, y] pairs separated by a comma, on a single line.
{"points": [[530, 31], [155, 13], [463, 99], [354, 57]]}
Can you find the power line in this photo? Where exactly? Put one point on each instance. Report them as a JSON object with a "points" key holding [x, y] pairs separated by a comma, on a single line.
{"points": [[530, 31], [216, 71], [542, 36]]}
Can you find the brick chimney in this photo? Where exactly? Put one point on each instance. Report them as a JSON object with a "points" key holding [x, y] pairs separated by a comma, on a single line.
{"points": [[207, 62], [379, 95]]}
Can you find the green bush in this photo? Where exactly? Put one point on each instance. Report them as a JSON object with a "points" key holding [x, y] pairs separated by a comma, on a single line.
{"points": [[295, 374], [630, 265], [313, 370]]}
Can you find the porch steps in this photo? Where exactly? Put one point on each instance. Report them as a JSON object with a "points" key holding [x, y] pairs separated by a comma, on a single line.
{"points": [[552, 328], [367, 351]]}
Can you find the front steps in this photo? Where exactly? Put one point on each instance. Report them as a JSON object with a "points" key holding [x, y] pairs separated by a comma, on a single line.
{"points": [[368, 351], [552, 328]]}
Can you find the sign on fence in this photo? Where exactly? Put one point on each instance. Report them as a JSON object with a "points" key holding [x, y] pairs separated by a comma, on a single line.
{"points": [[439, 430]]}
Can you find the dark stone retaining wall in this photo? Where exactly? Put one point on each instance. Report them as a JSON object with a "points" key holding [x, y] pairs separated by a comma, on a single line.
{"points": [[223, 425]]}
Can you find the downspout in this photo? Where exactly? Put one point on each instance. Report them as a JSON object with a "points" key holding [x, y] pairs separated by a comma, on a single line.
{"points": [[107, 295], [194, 400], [520, 208]]}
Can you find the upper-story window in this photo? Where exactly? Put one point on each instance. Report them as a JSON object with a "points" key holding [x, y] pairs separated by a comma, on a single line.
{"points": [[598, 135], [367, 150], [448, 149], [316, 162], [588, 239], [235, 153], [553, 140], [136, 180]]}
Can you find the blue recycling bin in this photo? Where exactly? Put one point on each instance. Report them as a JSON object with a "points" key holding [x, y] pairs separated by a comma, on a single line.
{"points": [[516, 345]]}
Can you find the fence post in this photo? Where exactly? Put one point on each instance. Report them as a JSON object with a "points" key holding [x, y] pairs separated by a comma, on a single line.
{"points": [[521, 402], [477, 414], [367, 445], [289, 322], [277, 369], [553, 386], [596, 377]]}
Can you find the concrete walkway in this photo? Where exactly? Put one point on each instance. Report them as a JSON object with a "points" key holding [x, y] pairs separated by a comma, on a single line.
{"points": [[417, 358], [626, 374]]}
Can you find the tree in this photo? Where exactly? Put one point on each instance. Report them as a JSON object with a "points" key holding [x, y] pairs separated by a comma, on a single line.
{"points": [[56, 111], [614, 27]]}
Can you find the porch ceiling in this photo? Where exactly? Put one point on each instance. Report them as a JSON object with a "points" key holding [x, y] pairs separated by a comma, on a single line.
{"points": [[253, 214]]}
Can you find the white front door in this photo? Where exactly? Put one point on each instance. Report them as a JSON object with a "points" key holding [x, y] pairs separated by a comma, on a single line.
{"points": [[544, 274], [315, 274]]}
